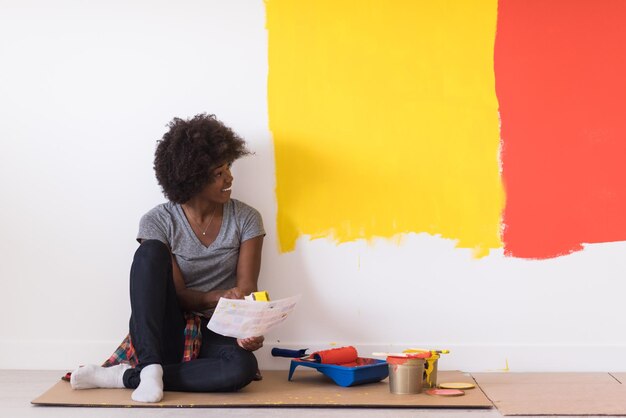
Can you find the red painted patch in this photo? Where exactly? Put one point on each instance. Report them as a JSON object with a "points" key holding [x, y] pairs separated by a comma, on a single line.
{"points": [[560, 70], [445, 392]]}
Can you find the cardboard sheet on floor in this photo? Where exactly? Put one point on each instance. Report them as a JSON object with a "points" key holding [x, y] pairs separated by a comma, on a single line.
{"points": [[307, 389], [621, 377], [554, 393]]}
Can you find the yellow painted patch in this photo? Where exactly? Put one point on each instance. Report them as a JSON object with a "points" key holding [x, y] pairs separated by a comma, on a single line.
{"points": [[385, 119]]}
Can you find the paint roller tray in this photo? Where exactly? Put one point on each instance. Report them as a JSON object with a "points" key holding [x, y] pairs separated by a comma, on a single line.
{"points": [[366, 370]]}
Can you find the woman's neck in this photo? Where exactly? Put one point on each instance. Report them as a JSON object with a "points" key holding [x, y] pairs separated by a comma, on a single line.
{"points": [[200, 209]]}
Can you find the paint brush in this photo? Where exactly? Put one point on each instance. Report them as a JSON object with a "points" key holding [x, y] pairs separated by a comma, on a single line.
{"points": [[407, 355], [424, 350]]}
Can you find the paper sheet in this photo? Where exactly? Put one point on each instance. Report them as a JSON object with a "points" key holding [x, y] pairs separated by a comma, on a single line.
{"points": [[243, 318]]}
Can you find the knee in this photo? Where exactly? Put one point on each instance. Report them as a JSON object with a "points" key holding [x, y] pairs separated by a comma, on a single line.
{"points": [[153, 250], [152, 261]]}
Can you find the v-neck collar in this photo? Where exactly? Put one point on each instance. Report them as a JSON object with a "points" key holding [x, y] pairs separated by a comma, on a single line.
{"points": [[225, 216]]}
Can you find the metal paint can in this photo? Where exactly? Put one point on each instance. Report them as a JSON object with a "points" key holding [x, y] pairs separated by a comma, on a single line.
{"points": [[405, 375]]}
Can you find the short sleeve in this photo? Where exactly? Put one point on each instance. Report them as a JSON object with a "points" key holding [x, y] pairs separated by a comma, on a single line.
{"points": [[252, 224], [153, 226]]}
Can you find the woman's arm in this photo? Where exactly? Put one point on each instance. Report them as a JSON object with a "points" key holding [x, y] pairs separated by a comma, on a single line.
{"points": [[248, 268], [249, 265], [195, 300]]}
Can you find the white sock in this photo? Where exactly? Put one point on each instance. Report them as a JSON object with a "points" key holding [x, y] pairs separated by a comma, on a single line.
{"points": [[92, 376], [150, 387]]}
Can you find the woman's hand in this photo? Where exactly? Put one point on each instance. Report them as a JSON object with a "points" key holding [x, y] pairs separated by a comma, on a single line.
{"points": [[251, 343], [233, 293]]}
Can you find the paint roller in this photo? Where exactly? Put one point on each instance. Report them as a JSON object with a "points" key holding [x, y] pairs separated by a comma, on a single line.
{"points": [[339, 356]]}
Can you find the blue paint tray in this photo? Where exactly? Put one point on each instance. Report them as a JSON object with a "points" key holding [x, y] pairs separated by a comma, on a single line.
{"points": [[367, 370]]}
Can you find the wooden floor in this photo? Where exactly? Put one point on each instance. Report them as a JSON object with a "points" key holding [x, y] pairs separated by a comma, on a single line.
{"points": [[18, 388]]}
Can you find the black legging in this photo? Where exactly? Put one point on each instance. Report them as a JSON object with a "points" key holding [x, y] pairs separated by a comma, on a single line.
{"points": [[157, 331]]}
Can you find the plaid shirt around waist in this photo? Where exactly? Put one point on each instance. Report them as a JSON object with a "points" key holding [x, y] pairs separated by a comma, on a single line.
{"points": [[125, 353]]}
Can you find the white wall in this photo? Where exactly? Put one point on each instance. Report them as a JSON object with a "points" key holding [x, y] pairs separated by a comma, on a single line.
{"points": [[86, 89]]}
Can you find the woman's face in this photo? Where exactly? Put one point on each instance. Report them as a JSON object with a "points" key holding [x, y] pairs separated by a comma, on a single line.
{"points": [[218, 191]]}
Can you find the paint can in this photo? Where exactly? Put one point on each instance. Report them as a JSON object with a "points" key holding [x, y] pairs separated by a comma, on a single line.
{"points": [[405, 375], [430, 371]]}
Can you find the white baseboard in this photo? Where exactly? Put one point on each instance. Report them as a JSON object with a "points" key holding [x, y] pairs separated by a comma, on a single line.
{"points": [[67, 355], [53, 354]]}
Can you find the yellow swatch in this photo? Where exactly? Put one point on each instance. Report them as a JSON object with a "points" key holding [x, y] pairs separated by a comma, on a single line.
{"points": [[385, 120], [457, 385]]}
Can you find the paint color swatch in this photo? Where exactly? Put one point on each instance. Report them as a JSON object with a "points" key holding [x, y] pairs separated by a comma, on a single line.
{"points": [[560, 78], [385, 120]]}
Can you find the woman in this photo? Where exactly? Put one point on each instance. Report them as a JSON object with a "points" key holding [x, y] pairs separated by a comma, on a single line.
{"points": [[198, 247]]}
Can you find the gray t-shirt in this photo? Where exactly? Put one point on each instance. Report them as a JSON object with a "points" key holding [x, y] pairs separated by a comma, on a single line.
{"points": [[203, 268]]}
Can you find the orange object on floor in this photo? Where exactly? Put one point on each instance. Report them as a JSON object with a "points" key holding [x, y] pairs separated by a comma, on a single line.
{"points": [[343, 356]]}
